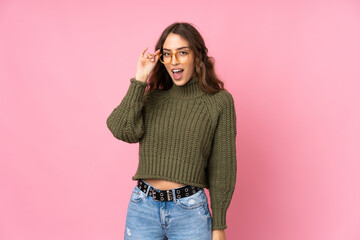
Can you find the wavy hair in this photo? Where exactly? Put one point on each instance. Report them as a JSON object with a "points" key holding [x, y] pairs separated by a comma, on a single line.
{"points": [[204, 65]]}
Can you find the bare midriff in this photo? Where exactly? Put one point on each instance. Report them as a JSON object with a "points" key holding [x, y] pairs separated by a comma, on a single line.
{"points": [[163, 184]]}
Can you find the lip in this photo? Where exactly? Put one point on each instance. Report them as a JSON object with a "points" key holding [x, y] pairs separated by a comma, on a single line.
{"points": [[176, 69]]}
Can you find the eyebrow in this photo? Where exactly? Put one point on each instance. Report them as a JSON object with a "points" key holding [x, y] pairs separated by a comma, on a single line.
{"points": [[176, 49]]}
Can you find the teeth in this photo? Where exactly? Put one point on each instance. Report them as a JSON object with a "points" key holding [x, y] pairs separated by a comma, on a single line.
{"points": [[177, 70]]}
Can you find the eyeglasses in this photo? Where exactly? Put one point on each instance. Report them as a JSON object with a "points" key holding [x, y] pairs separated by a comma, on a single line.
{"points": [[181, 56]]}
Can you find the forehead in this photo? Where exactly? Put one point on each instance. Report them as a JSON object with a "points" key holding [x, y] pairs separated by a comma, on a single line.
{"points": [[174, 41]]}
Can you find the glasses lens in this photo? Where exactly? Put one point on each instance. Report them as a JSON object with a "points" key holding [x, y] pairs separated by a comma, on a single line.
{"points": [[181, 56], [166, 57]]}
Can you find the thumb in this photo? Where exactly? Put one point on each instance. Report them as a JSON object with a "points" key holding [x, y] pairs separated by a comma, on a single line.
{"points": [[157, 54]]}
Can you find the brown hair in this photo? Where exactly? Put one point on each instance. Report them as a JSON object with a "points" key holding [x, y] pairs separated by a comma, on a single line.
{"points": [[204, 65]]}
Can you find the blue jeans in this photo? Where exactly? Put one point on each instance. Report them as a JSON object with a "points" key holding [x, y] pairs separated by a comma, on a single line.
{"points": [[186, 218]]}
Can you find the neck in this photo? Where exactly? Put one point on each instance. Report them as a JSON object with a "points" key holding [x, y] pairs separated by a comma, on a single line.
{"points": [[190, 89]]}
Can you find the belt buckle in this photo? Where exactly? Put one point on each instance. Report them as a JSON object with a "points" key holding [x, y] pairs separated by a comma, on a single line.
{"points": [[153, 195]]}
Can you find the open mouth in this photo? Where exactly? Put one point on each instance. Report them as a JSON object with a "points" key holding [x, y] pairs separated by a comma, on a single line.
{"points": [[177, 73]]}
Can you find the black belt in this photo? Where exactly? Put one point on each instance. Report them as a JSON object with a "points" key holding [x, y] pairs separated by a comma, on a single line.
{"points": [[166, 195]]}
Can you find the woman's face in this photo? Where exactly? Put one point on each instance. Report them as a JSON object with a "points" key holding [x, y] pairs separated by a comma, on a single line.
{"points": [[180, 72]]}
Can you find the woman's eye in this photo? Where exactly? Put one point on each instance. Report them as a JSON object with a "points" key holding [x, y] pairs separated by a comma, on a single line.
{"points": [[166, 54], [183, 53]]}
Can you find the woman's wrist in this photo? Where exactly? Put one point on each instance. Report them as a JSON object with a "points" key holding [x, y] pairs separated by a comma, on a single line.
{"points": [[141, 77], [218, 234]]}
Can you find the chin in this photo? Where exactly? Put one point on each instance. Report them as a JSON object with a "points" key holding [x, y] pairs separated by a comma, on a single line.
{"points": [[180, 82]]}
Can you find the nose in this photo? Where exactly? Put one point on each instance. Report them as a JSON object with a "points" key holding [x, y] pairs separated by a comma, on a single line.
{"points": [[174, 60]]}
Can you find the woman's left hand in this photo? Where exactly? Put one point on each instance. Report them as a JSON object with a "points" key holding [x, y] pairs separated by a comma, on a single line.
{"points": [[218, 235]]}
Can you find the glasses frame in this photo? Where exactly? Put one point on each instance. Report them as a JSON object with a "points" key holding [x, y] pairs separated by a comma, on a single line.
{"points": [[174, 54]]}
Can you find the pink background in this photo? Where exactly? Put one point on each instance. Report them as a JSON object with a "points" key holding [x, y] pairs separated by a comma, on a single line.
{"points": [[293, 68]]}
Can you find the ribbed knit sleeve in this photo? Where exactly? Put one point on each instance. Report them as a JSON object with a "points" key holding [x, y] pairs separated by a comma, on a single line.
{"points": [[222, 161], [126, 120]]}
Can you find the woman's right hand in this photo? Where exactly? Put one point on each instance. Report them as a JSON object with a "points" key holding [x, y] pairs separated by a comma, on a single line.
{"points": [[146, 64]]}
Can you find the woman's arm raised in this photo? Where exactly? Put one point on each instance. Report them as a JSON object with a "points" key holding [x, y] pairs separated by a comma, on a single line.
{"points": [[126, 120]]}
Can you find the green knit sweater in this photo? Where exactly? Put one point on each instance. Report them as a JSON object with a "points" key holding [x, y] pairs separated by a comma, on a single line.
{"points": [[185, 136]]}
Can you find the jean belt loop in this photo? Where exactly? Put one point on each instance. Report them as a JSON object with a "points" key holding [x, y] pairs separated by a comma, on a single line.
{"points": [[173, 194], [147, 191]]}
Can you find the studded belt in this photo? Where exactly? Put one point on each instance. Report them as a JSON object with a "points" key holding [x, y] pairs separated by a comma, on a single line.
{"points": [[166, 195]]}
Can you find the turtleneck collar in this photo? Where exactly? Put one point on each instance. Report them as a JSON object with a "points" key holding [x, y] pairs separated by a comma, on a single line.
{"points": [[190, 89]]}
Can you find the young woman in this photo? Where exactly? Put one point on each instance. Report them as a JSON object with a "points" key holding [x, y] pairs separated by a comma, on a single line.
{"points": [[185, 124]]}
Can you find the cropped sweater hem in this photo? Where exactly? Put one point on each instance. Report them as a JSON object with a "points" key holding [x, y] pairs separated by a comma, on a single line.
{"points": [[176, 180]]}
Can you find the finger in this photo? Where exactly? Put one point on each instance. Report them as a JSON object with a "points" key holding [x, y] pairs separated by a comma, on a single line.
{"points": [[157, 54], [143, 52], [152, 57], [148, 56], [156, 57]]}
